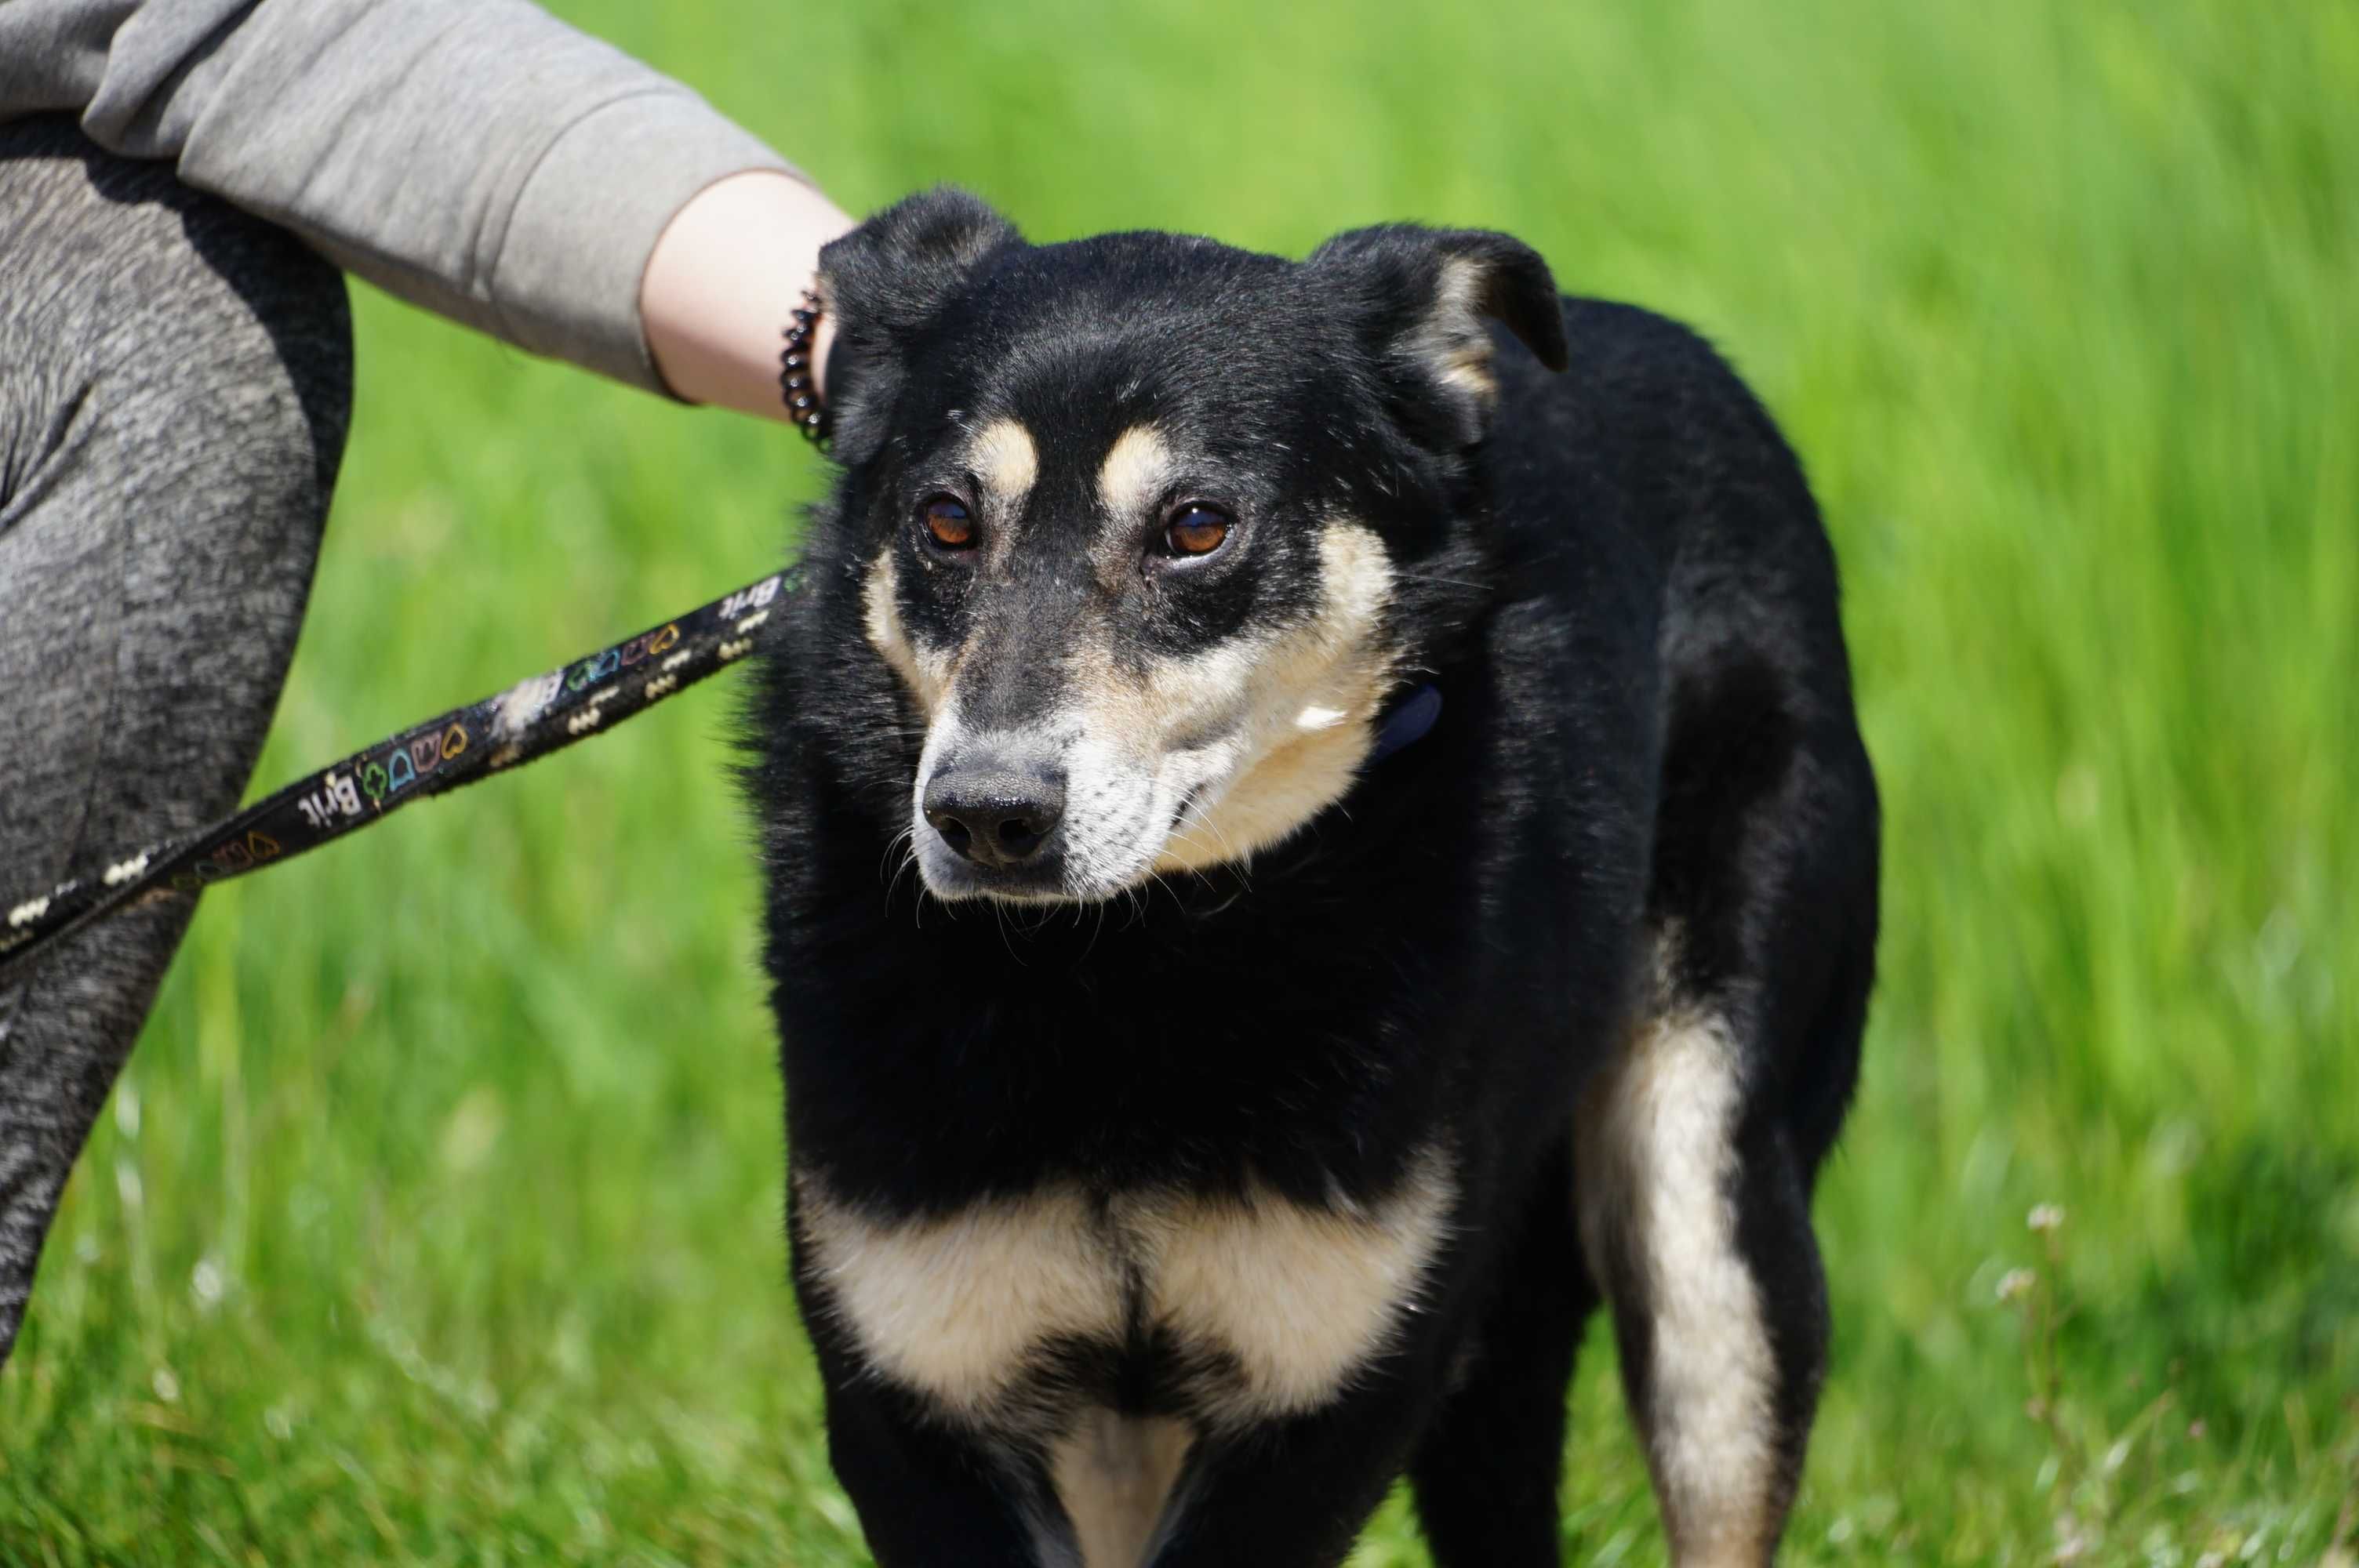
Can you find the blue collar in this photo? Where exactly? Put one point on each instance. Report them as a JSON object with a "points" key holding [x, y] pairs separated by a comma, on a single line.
{"points": [[1407, 723]]}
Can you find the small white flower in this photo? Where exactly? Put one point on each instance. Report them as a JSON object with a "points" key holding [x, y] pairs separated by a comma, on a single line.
{"points": [[2047, 1216], [205, 1282], [2015, 1284], [166, 1387]]}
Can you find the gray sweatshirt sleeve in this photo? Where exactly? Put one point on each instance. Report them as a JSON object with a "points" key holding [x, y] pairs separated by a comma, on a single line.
{"points": [[477, 158]]}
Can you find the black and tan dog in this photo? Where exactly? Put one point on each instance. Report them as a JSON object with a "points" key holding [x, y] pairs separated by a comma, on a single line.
{"points": [[1395, 861]]}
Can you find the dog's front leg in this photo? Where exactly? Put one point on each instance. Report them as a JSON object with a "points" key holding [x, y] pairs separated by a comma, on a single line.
{"points": [[929, 1494], [1294, 1494]]}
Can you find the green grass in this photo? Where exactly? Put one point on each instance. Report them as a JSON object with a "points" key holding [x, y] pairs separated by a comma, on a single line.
{"points": [[438, 1216]]}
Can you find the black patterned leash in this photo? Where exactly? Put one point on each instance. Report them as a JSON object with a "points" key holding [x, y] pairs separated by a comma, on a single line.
{"points": [[524, 722]]}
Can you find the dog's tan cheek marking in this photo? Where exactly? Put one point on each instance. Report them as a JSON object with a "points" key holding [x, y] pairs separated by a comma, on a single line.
{"points": [[925, 672], [1655, 1149], [1318, 689], [1174, 695], [1115, 1474], [1004, 459], [1304, 1299], [950, 1307]]}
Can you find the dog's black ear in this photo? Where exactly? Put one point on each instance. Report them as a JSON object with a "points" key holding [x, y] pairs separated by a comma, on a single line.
{"points": [[1421, 296], [885, 282]]}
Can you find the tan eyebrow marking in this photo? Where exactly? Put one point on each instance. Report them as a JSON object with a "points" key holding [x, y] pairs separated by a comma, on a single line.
{"points": [[1136, 468], [1005, 458]]}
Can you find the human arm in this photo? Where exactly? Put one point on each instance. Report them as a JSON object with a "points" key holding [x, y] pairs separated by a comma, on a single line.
{"points": [[477, 158], [725, 274]]}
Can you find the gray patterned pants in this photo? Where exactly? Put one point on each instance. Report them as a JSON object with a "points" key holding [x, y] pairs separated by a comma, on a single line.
{"points": [[175, 381]]}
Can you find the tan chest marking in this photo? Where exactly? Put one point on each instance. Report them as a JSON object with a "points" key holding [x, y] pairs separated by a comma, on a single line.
{"points": [[951, 1306], [1300, 1299], [1113, 1475]]}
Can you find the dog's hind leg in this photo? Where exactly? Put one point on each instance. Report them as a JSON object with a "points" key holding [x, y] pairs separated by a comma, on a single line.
{"points": [[1486, 1470], [1696, 1148], [1694, 1216]]}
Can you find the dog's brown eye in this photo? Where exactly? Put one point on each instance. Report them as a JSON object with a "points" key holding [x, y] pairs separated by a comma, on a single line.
{"points": [[948, 520], [1196, 530]]}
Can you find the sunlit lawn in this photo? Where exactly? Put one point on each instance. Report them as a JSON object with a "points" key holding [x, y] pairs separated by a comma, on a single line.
{"points": [[438, 1218]]}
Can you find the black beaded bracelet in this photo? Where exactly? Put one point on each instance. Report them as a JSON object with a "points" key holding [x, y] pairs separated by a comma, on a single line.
{"points": [[804, 408]]}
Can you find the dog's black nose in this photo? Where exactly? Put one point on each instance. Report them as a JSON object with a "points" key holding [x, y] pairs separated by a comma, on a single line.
{"points": [[994, 815]]}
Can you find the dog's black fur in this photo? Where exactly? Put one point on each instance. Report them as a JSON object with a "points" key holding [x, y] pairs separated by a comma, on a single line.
{"points": [[1646, 799]]}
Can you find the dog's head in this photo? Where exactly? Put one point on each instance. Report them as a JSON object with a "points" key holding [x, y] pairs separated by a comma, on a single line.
{"points": [[1149, 529]]}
